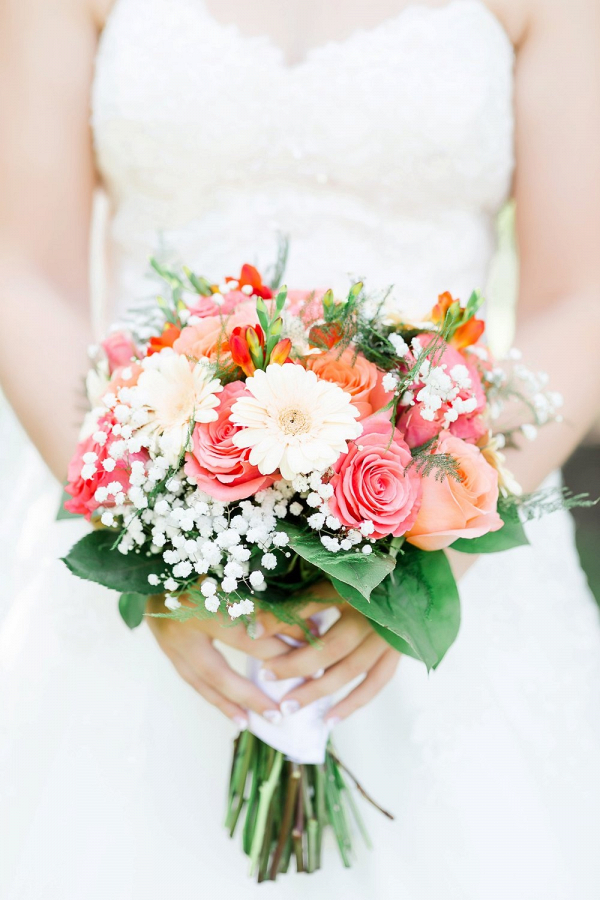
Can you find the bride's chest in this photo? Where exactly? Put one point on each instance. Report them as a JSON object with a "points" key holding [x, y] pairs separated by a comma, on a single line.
{"points": [[416, 111]]}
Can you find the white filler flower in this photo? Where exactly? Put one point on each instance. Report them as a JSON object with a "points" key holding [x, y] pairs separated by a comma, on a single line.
{"points": [[173, 391], [294, 421]]}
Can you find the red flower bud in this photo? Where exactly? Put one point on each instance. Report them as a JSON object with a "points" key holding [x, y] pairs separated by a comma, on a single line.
{"points": [[240, 352], [250, 277]]}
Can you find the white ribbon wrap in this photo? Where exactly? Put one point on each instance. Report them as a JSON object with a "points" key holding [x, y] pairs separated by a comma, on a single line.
{"points": [[302, 736]]}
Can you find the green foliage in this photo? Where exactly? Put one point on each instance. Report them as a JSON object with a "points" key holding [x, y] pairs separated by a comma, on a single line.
{"points": [[427, 462], [542, 503], [418, 603], [132, 607], [349, 568], [95, 558], [274, 276], [394, 640]]}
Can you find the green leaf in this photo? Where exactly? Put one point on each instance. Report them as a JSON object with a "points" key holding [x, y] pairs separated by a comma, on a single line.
{"points": [[200, 285], [281, 298], [394, 640], [132, 608], [473, 305], [511, 535], [419, 603], [94, 559], [364, 573]]}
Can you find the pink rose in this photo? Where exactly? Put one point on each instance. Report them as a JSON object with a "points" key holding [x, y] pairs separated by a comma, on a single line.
{"points": [[219, 467], [372, 482], [81, 489], [453, 509], [207, 337], [307, 305], [119, 349], [206, 306], [469, 426]]}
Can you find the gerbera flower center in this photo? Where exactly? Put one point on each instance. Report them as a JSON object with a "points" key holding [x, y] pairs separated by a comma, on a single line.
{"points": [[294, 421]]}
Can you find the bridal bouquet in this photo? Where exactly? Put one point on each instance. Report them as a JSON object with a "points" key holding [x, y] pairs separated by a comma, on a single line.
{"points": [[245, 443]]}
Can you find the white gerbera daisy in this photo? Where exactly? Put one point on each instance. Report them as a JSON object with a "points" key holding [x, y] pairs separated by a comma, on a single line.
{"points": [[173, 391], [294, 421]]}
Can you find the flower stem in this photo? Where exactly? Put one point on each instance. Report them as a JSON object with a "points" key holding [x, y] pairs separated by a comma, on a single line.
{"points": [[287, 806], [266, 791], [288, 813]]}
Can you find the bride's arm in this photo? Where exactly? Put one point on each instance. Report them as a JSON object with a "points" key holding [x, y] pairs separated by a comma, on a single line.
{"points": [[557, 190], [46, 187]]}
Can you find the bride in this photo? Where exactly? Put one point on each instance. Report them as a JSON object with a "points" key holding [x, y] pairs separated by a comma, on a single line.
{"points": [[381, 138]]}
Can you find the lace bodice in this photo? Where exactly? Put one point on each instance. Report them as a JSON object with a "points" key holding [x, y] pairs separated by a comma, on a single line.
{"points": [[386, 155]]}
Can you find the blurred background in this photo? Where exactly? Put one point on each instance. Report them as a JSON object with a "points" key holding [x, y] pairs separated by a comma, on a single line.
{"points": [[581, 473]]}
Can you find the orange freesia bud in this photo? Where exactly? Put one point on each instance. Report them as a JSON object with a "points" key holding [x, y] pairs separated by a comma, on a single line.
{"points": [[468, 334], [445, 301], [166, 339], [281, 351]]}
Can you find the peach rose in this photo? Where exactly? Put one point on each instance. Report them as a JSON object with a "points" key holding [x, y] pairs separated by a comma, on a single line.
{"points": [[219, 467], [453, 509], [372, 482], [123, 377], [354, 374], [208, 336]]}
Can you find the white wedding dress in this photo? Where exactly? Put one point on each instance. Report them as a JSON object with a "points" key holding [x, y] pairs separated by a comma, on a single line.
{"points": [[386, 155]]}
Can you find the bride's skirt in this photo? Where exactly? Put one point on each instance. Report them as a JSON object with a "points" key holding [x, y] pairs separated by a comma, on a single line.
{"points": [[113, 771]]}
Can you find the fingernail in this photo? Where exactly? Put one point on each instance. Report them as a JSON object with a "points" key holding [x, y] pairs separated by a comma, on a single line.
{"points": [[319, 673], [289, 707], [266, 675], [273, 716], [241, 722], [335, 720], [256, 629]]}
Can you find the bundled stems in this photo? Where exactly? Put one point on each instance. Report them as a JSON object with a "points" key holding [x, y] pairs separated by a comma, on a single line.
{"points": [[286, 806]]}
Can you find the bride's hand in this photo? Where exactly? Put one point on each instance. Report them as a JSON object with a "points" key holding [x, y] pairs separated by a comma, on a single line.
{"points": [[190, 647], [349, 649]]}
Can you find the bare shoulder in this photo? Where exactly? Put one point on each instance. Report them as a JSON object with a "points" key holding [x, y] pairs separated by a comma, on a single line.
{"points": [[18, 15], [522, 18], [101, 9], [513, 15]]}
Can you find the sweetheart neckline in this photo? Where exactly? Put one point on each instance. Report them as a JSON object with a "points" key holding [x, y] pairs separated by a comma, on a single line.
{"points": [[334, 44]]}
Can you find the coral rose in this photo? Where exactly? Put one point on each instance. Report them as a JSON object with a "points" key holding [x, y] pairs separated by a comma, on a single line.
{"points": [[219, 467], [354, 374], [373, 484], [453, 509], [81, 489], [468, 426]]}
